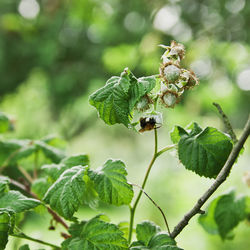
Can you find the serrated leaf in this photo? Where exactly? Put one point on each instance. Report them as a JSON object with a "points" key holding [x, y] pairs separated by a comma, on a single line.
{"points": [[40, 187], [76, 160], [54, 154], [160, 240], [205, 152], [24, 247], [7, 222], [4, 123], [228, 213], [54, 171], [176, 133], [95, 234], [145, 231], [124, 227], [111, 183], [8, 149], [207, 220], [224, 214], [16, 202], [117, 99], [4, 181], [67, 193]]}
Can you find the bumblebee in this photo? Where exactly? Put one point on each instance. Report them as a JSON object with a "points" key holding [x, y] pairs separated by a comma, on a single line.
{"points": [[147, 124]]}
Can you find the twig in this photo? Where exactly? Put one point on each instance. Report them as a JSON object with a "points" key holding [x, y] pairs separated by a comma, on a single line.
{"points": [[26, 174], [24, 236], [226, 122], [165, 219], [56, 217], [218, 181]]}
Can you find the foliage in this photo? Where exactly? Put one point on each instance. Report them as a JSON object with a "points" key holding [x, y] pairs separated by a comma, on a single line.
{"points": [[63, 184]]}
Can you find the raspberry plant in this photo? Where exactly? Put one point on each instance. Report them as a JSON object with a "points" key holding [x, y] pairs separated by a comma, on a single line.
{"points": [[61, 184]]}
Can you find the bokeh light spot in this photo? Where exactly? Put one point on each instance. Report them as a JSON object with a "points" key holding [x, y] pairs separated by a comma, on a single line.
{"points": [[29, 9], [243, 79]]}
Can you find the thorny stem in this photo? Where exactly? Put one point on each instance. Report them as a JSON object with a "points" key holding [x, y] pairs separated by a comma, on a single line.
{"points": [[24, 236], [222, 176], [133, 208]]}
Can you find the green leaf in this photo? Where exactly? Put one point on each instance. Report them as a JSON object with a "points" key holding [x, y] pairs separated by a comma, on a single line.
{"points": [[24, 247], [7, 222], [160, 240], [54, 171], [207, 220], [40, 187], [76, 160], [224, 214], [4, 181], [228, 213], [124, 227], [111, 183], [204, 152], [16, 202], [8, 149], [67, 193], [117, 99], [149, 237], [52, 153], [145, 231], [176, 133], [4, 123], [95, 234]]}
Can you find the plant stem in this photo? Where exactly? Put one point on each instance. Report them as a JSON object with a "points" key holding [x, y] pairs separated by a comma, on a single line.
{"points": [[163, 215], [133, 208], [165, 149], [35, 165], [226, 122], [24, 236]]}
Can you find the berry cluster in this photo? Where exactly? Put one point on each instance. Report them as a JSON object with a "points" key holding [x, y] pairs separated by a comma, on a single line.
{"points": [[174, 79]]}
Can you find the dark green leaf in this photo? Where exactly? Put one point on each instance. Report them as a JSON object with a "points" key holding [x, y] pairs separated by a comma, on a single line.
{"points": [[24, 247], [207, 220], [52, 153], [68, 192], [95, 234], [161, 239], [76, 160], [176, 133], [111, 183], [145, 231], [4, 123], [4, 181], [117, 99], [224, 214], [8, 149], [17, 202], [205, 152], [228, 213], [54, 171], [7, 222], [40, 187]]}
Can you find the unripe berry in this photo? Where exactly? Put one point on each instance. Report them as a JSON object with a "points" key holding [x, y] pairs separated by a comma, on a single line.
{"points": [[172, 73]]}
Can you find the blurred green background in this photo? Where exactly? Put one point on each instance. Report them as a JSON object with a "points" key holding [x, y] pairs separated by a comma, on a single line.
{"points": [[54, 53]]}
